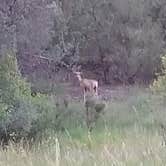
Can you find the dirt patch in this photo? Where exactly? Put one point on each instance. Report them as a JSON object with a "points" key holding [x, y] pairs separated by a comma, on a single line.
{"points": [[106, 93]]}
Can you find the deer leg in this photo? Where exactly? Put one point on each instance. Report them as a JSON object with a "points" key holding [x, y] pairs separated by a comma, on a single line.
{"points": [[84, 95], [87, 117], [85, 91], [96, 90]]}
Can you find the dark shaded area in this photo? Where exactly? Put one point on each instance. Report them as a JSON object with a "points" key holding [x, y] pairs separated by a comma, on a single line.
{"points": [[115, 42]]}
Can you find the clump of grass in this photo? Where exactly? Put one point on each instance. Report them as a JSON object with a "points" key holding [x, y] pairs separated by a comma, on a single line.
{"points": [[135, 148]]}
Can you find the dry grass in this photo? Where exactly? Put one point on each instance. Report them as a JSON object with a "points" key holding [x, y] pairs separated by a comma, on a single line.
{"points": [[128, 134], [135, 149]]}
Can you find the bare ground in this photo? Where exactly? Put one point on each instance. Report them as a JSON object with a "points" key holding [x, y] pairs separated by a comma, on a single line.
{"points": [[106, 93]]}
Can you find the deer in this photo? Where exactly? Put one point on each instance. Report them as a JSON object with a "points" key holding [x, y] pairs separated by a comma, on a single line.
{"points": [[88, 85]]}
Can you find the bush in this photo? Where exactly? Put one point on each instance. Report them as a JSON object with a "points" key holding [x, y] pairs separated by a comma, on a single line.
{"points": [[94, 109], [159, 85], [21, 115]]}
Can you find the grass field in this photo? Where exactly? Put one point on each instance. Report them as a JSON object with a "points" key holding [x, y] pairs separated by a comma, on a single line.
{"points": [[131, 132]]}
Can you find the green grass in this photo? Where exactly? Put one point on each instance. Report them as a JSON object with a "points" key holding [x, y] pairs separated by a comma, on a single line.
{"points": [[128, 134]]}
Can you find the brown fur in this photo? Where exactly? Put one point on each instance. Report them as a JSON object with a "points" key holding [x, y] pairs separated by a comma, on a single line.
{"points": [[88, 85]]}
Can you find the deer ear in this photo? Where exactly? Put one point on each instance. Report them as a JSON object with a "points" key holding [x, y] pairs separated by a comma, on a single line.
{"points": [[79, 67]]}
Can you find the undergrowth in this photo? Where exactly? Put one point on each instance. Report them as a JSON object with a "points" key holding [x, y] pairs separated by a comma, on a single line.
{"points": [[129, 133]]}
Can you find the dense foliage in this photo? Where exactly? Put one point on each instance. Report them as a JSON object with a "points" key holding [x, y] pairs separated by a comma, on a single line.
{"points": [[119, 40], [22, 115]]}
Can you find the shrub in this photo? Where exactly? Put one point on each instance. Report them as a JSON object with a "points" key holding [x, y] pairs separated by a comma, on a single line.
{"points": [[21, 115], [159, 85], [94, 109]]}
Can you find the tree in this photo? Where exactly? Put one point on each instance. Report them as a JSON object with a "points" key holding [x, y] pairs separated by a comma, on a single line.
{"points": [[120, 40]]}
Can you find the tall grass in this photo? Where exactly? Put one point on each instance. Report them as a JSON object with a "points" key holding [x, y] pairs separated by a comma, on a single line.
{"points": [[129, 133]]}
